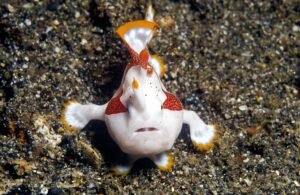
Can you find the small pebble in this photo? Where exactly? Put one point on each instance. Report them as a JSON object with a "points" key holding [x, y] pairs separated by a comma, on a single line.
{"points": [[83, 41], [44, 190], [246, 160], [77, 14], [28, 5], [27, 22], [57, 49], [10, 8], [55, 22], [296, 28], [248, 182], [243, 108], [91, 185]]}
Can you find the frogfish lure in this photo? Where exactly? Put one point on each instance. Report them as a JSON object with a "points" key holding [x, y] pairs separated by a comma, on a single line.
{"points": [[142, 117]]}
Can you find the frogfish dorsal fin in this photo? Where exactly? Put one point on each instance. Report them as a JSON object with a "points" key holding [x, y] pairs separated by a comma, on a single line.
{"points": [[137, 34]]}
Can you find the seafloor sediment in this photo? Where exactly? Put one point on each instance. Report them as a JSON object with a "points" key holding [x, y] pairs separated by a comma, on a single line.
{"points": [[234, 62]]}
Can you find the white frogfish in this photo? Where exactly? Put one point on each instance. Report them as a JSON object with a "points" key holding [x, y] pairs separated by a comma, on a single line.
{"points": [[142, 117]]}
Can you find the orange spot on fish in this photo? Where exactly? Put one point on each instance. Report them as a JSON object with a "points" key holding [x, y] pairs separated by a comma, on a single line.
{"points": [[135, 84]]}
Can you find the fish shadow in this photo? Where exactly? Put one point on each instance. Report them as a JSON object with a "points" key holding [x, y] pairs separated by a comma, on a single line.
{"points": [[99, 137]]}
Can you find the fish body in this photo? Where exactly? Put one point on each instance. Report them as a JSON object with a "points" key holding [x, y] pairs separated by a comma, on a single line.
{"points": [[142, 117]]}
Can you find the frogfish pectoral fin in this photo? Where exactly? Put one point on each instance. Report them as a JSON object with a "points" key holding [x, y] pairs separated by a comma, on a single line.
{"points": [[203, 136], [76, 116]]}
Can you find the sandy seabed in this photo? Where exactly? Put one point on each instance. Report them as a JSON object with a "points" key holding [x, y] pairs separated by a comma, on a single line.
{"points": [[234, 62]]}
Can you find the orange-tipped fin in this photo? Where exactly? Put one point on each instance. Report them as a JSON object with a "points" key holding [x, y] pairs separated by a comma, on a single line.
{"points": [[63, 120], [164, 161], [207, 146], [137, 34]]}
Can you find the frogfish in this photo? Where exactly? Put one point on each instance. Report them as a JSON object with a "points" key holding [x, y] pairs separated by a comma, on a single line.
{"points": [[142, 117]]}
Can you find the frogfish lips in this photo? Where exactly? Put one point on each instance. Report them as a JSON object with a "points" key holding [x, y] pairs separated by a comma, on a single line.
{"points": [[146, 129]]}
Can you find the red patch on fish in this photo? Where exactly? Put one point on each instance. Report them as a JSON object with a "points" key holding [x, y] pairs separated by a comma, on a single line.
{"points": [[115, 106], [172, 102], [139, 59]]}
